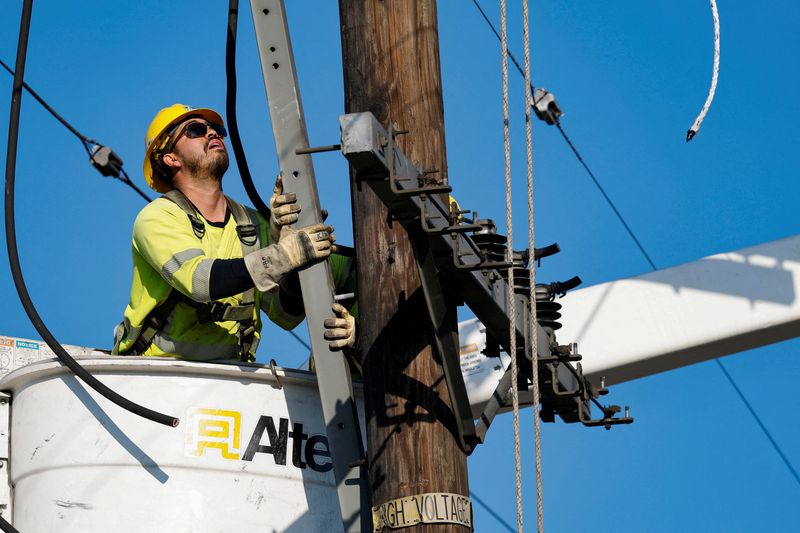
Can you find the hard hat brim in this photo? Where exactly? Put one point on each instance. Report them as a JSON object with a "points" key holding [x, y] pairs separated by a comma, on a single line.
{"points": [[154, 180]]}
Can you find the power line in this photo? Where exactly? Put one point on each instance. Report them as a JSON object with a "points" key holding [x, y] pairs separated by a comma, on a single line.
{"points": [[573, 147], [492, 512], [647, 256], [90, 145], [760, 423], [607, 198]]}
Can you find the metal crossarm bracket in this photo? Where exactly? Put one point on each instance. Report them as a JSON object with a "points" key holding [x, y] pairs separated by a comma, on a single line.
{"points": [[379, 163], [316, 281], [446, 348]]}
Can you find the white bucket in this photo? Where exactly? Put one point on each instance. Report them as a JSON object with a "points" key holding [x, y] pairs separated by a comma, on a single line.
{"points": [[248, 455]]}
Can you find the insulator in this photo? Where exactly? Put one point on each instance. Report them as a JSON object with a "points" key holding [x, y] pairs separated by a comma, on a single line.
{"points": [[492, 245], [547, 314], [522, 280], [547, 311]]}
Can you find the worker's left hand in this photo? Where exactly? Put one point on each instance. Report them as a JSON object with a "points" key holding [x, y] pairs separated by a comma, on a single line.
{"points": [[341, 329], [284, 210]]}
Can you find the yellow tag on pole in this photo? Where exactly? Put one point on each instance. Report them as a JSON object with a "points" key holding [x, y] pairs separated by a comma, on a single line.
{"points": [[428, 508]]}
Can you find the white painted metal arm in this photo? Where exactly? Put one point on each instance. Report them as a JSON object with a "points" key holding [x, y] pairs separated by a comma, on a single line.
{"points": [[715, 306]]}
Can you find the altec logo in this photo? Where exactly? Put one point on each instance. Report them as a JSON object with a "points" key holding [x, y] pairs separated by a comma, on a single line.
{"points": [[217, 433]]}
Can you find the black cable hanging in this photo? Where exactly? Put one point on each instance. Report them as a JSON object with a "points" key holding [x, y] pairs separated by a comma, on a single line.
{"points": [[233, 125], [230, 111], [13, 253], [101, 157]]}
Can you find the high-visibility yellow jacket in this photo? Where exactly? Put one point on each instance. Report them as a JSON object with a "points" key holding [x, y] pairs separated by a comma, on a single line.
{"points": [[169, 255]]}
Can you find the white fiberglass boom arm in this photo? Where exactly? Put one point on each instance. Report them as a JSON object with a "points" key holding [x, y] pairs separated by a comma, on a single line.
{"points": [[715, 306]]}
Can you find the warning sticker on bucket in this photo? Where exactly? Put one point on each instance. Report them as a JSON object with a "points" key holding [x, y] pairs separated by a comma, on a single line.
{"points": [[428, 508]]}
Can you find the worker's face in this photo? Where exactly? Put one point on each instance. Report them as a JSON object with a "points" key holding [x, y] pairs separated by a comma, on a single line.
{"points": [[201, 153]]}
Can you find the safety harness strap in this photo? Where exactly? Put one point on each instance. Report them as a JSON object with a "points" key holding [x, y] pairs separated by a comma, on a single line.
{"points": [[177, 197], [247, 230], [245, 314]]}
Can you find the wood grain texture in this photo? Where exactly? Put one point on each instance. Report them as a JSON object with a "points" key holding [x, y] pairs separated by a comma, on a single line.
{"points": [[391, 67]]}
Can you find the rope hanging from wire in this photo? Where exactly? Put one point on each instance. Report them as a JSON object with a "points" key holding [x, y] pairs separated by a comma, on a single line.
{"points": [[512, 311], [533, 336], [714, 76], [572, 146]]}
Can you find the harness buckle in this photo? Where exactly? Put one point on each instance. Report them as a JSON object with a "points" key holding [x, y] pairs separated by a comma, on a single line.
{"points": [[246, 336], [197, 226], [213, 312], [248, 234]]}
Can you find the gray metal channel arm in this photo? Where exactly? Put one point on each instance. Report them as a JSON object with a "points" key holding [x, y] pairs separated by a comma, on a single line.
{"points": [[447, 349], [371, 151], [333, 374]]}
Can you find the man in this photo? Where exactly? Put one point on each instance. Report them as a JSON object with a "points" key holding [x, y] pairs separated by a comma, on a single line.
{"points": [[203, 265]]}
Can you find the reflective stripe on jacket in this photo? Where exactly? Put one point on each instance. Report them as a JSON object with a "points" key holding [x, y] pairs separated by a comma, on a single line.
{"points": [[167, 255]]}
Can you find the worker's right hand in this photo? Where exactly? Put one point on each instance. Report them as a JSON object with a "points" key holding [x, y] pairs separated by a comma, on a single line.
{"points": [[284, 210], [294, 249]]}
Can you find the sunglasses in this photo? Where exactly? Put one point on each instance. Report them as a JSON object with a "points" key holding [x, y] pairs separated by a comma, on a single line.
{"points": [[194, 130]]}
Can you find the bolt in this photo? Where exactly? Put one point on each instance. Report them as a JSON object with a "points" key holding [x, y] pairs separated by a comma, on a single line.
{"points": [[275, 66], [340, 425], [3, 401], [603, 382], [265, 11], [627, 411], [271, 48]]}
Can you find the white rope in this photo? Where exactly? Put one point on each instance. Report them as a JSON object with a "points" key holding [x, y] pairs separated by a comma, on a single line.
{"points": [[714, 76], [532, 271], [512, 311]]}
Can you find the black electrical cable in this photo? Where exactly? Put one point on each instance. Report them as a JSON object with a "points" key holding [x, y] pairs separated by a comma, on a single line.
{"points": [[649, 260], [233, 125], [13, 253], [127, 180], [230, 110], [52, 111]]}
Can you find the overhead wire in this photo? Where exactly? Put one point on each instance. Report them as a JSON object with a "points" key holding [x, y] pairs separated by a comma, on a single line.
{"points": [[573, 147], [652, 264], [491, 511], [87, 142]]}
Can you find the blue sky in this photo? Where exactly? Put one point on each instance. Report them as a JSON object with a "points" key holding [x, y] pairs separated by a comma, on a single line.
{"points": [[630, 76]]}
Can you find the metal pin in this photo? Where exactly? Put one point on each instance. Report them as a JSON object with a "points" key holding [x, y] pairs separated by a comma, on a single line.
{"points": [[627, 411], [272, 366], [345, 296], [602, 382], [318, 149]]}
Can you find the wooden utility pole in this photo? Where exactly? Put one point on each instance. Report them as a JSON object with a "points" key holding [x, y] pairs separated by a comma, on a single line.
{"points": [[390, 52]]}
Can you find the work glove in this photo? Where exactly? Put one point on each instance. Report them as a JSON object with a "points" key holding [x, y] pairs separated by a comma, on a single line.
{"points": [[284, 210], [294, 249], [341, 329]]}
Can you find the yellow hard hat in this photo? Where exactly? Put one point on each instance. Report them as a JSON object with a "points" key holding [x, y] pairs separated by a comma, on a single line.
{"points": [[158, 134]]}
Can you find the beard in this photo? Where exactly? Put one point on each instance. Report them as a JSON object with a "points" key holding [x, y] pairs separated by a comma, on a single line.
{"points": [[213, 164]]}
